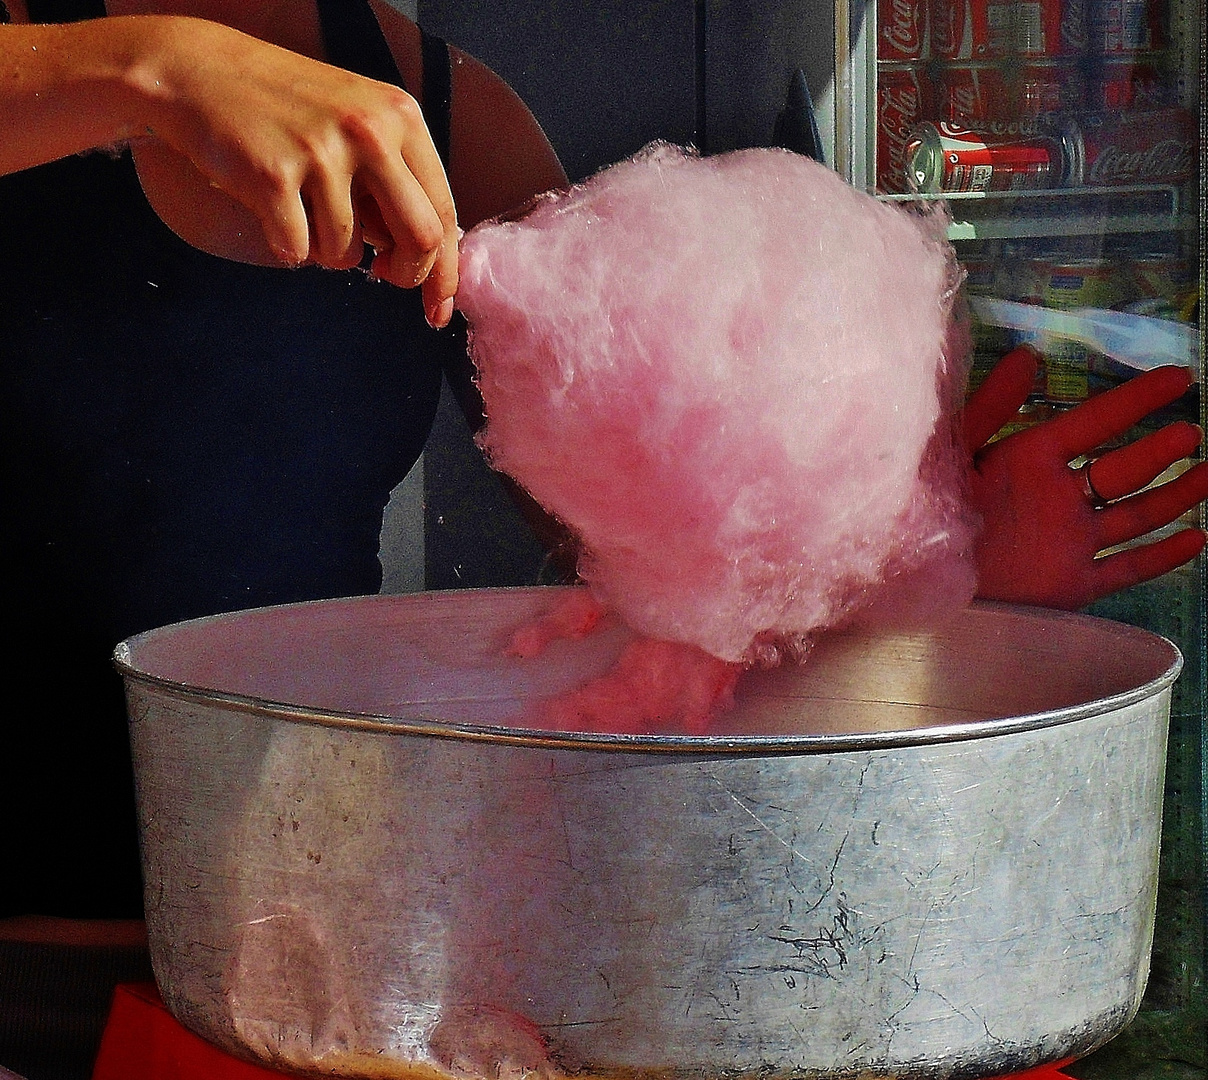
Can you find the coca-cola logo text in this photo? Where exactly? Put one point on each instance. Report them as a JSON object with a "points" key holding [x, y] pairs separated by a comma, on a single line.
{"points": [[1025, 126], [964, 100], [900, 26], [1165, 161], [949, 20], [899, 111], [900, 107]]}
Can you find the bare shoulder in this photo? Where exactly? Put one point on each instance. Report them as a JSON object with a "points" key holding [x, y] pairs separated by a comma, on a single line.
{"points": [[500, 157]]}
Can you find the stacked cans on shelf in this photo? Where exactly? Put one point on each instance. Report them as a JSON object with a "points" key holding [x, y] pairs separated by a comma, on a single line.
{"points": [[1150, 274], [1018, 95], [994, 95]]}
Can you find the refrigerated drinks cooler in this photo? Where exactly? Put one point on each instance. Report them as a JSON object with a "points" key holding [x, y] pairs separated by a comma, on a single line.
{"points": [[1064, 137]]}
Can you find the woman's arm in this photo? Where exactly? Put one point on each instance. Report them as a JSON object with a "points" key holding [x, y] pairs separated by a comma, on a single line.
{"points": [[67, 88]]}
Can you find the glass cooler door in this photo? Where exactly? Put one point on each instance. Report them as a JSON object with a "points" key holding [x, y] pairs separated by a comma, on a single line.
{"points": [[1065, 138]]}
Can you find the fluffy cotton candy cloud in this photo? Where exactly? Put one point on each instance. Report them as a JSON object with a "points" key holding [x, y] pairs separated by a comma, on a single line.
{"points": [[728, 377]]}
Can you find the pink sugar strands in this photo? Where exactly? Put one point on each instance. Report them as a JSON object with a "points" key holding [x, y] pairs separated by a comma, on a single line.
{"points": [[730, 377]]}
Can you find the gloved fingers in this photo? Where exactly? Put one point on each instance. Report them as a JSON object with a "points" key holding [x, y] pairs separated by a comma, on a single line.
{"points": [[1109, 415], [1144, 562], [1151, 509], [1130, 468], [999, 397]]}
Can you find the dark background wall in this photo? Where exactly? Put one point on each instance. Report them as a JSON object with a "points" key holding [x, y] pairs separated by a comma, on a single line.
{"points": [[603, 79]]}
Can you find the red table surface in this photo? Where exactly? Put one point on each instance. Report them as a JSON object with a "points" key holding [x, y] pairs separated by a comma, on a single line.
{"points": [[142, 1041]]}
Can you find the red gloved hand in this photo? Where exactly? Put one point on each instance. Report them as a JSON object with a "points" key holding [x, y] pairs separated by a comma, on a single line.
{"points": [[1044, 523]]}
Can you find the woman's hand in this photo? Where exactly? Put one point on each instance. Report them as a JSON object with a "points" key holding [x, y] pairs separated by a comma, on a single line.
{"points": [[321, 159], [1044, 523], [247, 150]]}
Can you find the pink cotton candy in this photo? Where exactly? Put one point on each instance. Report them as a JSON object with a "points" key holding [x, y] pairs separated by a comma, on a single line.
{"points": [[728, 376], [655, 686], [576, 616]]}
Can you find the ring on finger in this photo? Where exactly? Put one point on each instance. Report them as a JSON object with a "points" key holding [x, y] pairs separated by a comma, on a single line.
{"points": [[1097, 501]]}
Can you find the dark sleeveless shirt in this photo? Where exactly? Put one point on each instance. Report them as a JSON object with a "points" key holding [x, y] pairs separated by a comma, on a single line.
{"points": [[179, 435]]}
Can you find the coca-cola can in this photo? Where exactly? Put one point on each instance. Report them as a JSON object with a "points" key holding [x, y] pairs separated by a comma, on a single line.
{"points": [[1129, 82], [996, 89], [1124, 27], [1119, 149], [1075, 28], [988, 29], [1050, 86], [974, 90], [960, 30], [904, 98], [903, 30], [1046, 28], [988, 155]]}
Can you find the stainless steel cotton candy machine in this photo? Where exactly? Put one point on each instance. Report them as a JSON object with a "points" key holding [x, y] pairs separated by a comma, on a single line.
{"points": [[917, 855]]}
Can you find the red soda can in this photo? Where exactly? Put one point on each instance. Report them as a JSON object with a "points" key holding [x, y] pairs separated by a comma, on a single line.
{"points": [[1050, 86], [1124, 27], [1118, 149], [1075, 28], [903, 30], [1041, 27], [985, 29], [973, 90], [904, 98], [990, 89], [961, 29], [986, 156], [1129, 82]]}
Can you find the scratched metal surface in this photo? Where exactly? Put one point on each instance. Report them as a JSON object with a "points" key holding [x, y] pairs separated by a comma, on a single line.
{"points": [[378, 903]]}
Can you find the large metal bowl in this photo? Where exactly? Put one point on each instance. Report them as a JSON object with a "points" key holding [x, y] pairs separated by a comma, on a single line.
{"points": [[918, 855]]}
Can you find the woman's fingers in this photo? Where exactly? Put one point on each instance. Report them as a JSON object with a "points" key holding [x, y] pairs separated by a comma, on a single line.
{"points": [[369, 219], [335, 238], [439, 289], [1121, 472], [305, 147], [285, 222], [416, 209]]}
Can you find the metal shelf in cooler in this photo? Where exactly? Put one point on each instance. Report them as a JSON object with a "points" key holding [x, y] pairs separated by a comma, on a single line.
{"points": [[1001, 215]]}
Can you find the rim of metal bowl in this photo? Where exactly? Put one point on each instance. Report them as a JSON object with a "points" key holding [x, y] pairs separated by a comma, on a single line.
{"points": [[684, 745]]}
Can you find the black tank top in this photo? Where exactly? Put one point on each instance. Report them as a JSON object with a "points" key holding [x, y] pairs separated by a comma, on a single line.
{"points": [[179, 435]]}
